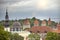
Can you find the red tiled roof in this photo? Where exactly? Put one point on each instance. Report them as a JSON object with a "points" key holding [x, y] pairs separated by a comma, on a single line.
{"points": [[40, 29], [57, 31]]}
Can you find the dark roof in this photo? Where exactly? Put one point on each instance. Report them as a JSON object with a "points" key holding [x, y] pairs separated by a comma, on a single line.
{"points": [[16, 24]]}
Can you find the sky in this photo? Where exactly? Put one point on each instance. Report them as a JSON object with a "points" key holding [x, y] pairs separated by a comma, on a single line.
{"points": [[21, 9]]}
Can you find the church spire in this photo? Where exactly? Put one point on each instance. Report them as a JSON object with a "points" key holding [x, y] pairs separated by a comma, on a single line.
{"points": [[6, 17]]}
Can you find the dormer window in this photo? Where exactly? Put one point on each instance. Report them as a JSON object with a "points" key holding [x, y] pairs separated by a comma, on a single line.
{"points": [[38, 31]]}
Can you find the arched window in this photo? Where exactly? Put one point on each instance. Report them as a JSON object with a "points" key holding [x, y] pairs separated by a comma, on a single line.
{"points": [[17, 29]]}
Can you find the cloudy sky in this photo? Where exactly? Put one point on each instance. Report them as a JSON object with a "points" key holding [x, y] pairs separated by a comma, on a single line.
{"points": [[41, 9]]}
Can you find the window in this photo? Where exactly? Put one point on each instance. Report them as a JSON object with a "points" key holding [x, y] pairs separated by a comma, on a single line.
{"points": [[17, 29], [45, 31], [38, 31], [13, 29]]}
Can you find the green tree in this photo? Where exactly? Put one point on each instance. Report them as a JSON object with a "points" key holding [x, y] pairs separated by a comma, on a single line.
{"points": [[34, 37], [4, 35], [16, 37], [58, 38], [51, 36], [1, 27]]}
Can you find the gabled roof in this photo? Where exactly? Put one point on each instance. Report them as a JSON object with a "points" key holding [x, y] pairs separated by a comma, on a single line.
{"points": [[36, 22], [44, 22], [26, 21]]}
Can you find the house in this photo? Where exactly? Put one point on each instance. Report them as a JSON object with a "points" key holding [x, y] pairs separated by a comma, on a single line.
{"points": [[43, 23], [36, 22], [26, 24]]}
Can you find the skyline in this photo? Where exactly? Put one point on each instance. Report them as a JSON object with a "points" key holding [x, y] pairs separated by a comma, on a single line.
{"points": [[21, 9]]}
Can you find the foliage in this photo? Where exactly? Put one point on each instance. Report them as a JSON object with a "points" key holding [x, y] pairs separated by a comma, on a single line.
{"points": [[51, 36], [58, 38], [34, 36], [1, 27], [4, 35], [16, 37]]}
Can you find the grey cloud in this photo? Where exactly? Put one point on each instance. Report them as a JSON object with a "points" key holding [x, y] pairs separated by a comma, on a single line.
{"points": [[10, 1]]}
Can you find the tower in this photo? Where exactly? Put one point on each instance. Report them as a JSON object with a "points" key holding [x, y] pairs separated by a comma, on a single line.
{"points": [[49, 22], [43, 23], [6, 22], [26, 24], [36, 22], [6, 19]]}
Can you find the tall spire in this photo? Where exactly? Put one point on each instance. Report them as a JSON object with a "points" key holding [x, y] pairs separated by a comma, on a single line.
{"points": [[6, 17], [49, 22], [49, 19], [6, 12]]}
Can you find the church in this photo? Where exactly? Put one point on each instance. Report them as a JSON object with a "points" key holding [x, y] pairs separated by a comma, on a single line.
{"points": [[16, 26]]}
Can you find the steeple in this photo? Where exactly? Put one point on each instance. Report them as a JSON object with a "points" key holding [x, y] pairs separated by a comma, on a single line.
{"points": [[49, 19], [49, 22], [6, 19], [6, 16]]}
